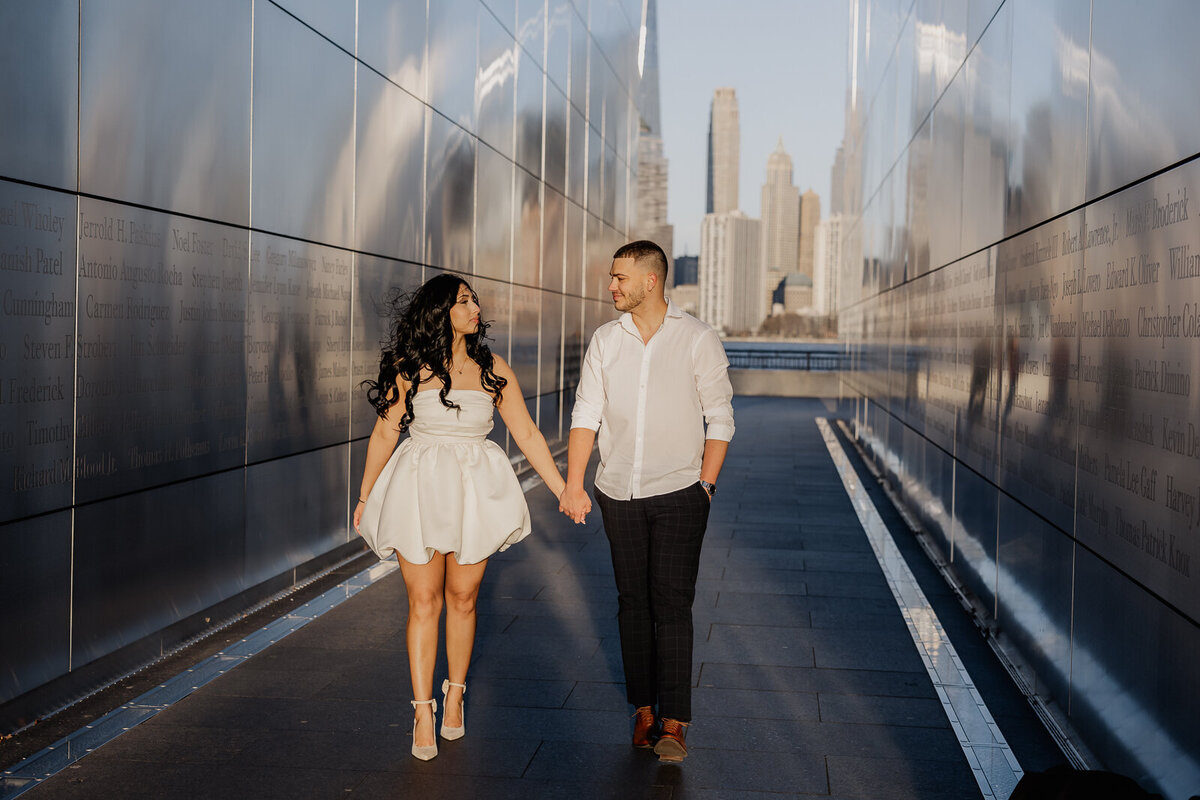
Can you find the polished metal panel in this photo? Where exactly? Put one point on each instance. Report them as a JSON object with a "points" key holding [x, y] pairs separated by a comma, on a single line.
{"points": [[389, 169], [554, 221], [556, 138], [610, 185], [176, 135], [505, 11], [37, 580], [1023, 358], [577, 143], [920, 223], [449, 195], [595, 172], [527, 233], [284, 527], [624, 184], [1136, 120], [945, 179], [333, 19], [1037, 366], [550, 340], [598, 261], [597, 76], [38, 237], [559, 14], [941, 30], [885, 23], [176, 551], [495, 84], [979, 15], [576, 247], [1049, 109], [1139, 412], [41, 149], [574, 346], [550, 417], [976, 370], [452, 55], [494, 222], [496, 308], [377, 281], [523, 349], [391, 38], [1133, 679], [303, 138], [246, 182], [985, 134], [529, 114], [975, 535], [160, 385], [1034, 592], [298, 377], [531, 28], [580, 47]]}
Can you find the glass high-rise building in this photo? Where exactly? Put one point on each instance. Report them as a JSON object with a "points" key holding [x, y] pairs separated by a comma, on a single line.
{"points": [[204, 208], [724, 143], [780, 221]]}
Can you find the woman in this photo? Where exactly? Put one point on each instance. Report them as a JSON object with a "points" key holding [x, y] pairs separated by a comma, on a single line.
{"points": [[446, 499]]}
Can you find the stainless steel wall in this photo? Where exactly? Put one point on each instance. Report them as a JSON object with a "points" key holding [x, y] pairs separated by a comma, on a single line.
{"points": [[1021, 296], [202, 209]]}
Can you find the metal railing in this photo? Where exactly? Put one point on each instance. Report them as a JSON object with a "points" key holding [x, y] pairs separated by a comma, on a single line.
{"points": [[797, 357]]}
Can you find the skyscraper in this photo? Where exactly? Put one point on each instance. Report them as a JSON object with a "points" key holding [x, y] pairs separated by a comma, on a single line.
{"points": [[810, 217], [651, 222], [826, 265], [732, 293], [724, 144], [780, 221]]}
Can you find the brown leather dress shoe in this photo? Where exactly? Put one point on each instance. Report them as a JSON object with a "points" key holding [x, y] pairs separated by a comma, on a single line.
{"points": [[670, 746], [643, 727]]}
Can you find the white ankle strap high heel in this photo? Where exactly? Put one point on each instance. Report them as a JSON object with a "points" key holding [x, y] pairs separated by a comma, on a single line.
{"points": [[424, 753], [448, 733]]}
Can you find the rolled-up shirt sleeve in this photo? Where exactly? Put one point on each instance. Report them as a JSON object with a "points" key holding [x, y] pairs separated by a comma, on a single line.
{"points": [[713, 386], [589, 395]]}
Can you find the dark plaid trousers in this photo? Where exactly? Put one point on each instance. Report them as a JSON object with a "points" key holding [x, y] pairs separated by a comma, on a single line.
{"points": [[655, 544]]}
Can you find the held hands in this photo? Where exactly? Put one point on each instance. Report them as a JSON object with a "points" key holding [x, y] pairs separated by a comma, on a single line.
{"points": [[575, 503]]}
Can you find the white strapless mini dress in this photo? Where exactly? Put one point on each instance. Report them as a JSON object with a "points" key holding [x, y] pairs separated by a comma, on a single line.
{"points": [[447, 488]]}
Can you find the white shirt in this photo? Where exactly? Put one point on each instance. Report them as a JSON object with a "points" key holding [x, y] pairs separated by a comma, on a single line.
{"points": [[651, 402]]}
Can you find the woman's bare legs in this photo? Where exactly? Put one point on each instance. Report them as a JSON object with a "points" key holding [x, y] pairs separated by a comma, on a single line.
{"points": [[462, 590], [426, 586]]}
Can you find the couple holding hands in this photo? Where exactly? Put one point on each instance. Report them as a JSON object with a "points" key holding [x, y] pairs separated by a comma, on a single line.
{"points": [[653, 389]]}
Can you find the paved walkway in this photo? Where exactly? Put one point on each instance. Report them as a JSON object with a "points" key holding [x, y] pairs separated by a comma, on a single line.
{"points": [[807, 681]]}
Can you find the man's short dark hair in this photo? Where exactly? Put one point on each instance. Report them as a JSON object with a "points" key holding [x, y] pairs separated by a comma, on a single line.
{"points": [[648, 252]]}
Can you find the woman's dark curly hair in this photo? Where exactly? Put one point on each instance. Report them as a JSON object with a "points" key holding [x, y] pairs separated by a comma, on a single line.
{"points": [[420, 337]]}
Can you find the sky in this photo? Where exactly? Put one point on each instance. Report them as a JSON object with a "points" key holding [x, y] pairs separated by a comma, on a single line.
{"points": [[787, 61]]}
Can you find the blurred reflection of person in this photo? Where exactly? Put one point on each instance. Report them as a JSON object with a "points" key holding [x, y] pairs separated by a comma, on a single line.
{"points": [[446, 499], [655, 386], [1014, 371], [981, 370]]}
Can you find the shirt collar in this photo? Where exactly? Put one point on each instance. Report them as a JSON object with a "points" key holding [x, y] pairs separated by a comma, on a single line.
{"points": [[627, 323]]}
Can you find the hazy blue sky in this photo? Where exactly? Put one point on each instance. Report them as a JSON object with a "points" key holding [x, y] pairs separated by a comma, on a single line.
{"points": [[787, 61]]}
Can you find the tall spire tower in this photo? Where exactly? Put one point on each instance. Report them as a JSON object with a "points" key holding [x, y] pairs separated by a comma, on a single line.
{"points": [[724, 143], [780, 221]]}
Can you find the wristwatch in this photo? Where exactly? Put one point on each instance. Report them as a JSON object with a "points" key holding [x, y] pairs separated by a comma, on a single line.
{"points": [[711, 488]]}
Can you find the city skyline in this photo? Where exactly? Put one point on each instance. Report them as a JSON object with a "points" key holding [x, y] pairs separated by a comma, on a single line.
{"points": [[790, 81]]}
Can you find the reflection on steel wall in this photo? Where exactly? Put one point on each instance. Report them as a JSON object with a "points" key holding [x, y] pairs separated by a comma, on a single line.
{"points": [[1021, 298], [202, 210]]}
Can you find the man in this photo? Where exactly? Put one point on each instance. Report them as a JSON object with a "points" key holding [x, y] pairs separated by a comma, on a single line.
{"points": [[651, 380]]}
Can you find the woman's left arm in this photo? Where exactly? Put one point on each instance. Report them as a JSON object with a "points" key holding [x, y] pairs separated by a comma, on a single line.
{"points": [[524, 431]]}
